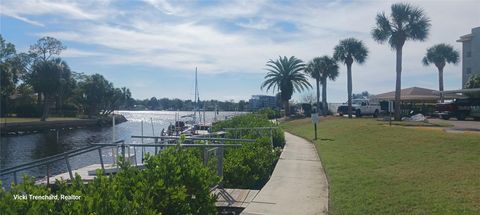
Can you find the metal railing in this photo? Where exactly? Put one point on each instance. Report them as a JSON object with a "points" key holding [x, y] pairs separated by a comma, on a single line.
{"points": [[216, 145], [47, 161], [238, 132], [210, 145]]}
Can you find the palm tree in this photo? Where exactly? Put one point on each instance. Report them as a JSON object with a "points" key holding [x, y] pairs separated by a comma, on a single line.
{"points": [[348, 51], [440, 55], [322, 68], [406, 22], [313, 69], [285, 75]]}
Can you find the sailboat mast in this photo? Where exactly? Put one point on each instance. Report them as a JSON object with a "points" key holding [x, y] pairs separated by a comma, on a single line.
{"points": [[196, 98]]}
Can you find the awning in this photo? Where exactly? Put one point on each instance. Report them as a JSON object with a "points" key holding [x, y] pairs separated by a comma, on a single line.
{"points": [[416, 94]]}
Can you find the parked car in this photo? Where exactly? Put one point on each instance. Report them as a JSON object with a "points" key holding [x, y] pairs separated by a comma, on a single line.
{"points": [[360, 107], [460, 109]]}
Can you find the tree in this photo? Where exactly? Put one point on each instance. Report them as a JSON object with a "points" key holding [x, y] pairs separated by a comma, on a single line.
{"points": [[48, 78], [308, 98], [440, 55], [322, 68], [8, 75], [473, 82], [285, 75], [42, 51], [95, 90], [314, 69], [363, 95], [406, 22], [348, 51], [126, 97], [46, 47]]}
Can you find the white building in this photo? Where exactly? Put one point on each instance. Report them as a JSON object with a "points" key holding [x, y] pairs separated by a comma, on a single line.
{"points": [[470, 55]]}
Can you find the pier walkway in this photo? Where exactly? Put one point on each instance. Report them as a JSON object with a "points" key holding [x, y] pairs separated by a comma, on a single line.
{"points": [[298, 184]]}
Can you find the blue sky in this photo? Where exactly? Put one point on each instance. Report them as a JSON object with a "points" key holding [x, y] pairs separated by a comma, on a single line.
{"points": [[153, 46]]}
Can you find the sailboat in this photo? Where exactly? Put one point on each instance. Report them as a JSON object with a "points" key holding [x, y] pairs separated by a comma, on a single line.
{"points": [[190, 127]]}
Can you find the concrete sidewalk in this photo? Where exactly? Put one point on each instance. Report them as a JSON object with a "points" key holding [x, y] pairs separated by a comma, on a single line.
{"points": [[298, 184]]}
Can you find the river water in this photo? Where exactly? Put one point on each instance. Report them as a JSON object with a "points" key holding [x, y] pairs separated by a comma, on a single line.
{"points": [[17, 150]]}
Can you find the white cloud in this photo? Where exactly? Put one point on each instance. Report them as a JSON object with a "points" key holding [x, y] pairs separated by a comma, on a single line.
{"points": [[164, 6], [240, 36], [73, 53]]}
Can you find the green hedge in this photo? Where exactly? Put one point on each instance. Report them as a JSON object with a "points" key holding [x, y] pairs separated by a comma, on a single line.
{"points": [[270, 113], [249, 121], [28, 110], [176, 182], [251, 165]]}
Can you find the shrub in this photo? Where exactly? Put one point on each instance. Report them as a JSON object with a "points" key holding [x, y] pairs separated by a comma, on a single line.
{"points": [[270, 113], [250, 121], [28, 110], [175, 182], [251, 165], [66, 110]]}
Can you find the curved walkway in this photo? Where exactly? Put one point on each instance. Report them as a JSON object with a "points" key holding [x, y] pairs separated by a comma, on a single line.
{"points": [[298, 184]]}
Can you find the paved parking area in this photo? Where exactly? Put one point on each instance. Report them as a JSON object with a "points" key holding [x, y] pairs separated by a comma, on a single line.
{"points": [[460, 125]]}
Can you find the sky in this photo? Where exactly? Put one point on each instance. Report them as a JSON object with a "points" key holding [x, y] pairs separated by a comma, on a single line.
{"points": [[154, 46]]}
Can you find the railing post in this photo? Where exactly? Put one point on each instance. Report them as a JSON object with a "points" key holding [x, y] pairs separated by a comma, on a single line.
{"points": [[205, 156], [101, 159], [48, 174], [135, 153], [156, 148], [128, 153], [15, 177], [220, 163], [69, 168], [123, 150], [271, 136]]}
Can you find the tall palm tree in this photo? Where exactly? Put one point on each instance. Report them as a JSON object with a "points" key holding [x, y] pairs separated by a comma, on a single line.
{"points": [[285, 75], [406, 22], [440, 55], [348, 51], [322, 68], [313, 69]]}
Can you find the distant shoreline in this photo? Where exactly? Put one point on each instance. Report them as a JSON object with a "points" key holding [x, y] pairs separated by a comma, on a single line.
{"points": [[18, 128]]}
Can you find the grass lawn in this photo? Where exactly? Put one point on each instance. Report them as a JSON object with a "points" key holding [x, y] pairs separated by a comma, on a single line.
{"points": [[21, 119], [417, 124], [377, 169]]}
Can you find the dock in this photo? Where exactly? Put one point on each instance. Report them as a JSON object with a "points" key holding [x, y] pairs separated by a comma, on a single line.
{"points": [[234, 198], [87, 173]]}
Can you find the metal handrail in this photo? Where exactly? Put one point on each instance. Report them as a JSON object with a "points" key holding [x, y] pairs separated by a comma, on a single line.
{"points": [[253, 128], [167, 144], [48, 160], [193, 138], [121, 143], [54, 158], [74, 152], [242, 129]]}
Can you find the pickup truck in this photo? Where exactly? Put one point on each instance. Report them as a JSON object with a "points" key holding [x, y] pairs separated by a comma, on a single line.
{"points": [[360, 107], [460, 109]]}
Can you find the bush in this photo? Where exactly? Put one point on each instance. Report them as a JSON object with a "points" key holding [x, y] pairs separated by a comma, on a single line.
{"points": [[175, 182], [250, 121], [251, 165], [270, 113], [67, 110], [28, 110]]}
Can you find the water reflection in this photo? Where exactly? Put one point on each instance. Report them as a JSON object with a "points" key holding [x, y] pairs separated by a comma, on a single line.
{"points": [[16, 150]]}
